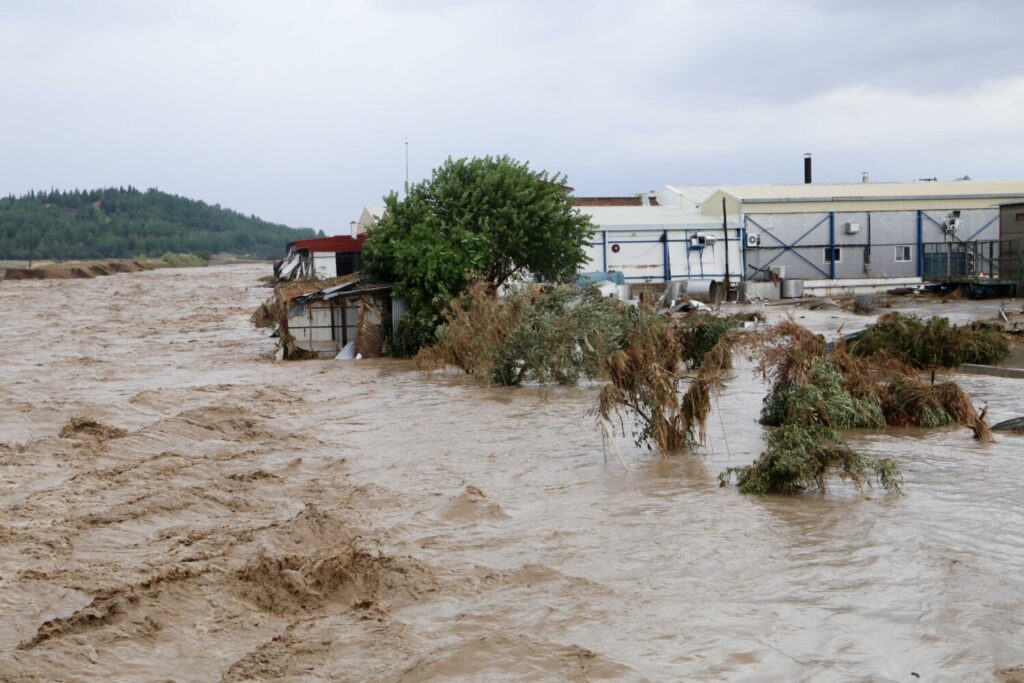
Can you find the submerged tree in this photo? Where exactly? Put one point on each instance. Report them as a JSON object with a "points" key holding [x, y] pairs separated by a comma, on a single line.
{"points": [[490, 219]]}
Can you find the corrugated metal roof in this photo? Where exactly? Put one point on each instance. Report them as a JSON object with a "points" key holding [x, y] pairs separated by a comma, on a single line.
{"points": [[995, 189], [608, 217], [695, 193], [337, 243]]}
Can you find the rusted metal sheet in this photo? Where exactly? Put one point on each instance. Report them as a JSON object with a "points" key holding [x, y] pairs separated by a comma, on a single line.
{"points": [[370, 337]]}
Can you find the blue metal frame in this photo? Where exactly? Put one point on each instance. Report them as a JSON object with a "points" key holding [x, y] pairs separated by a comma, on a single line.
{"points": [[920, 243], [982, 228], [667, 273], [665, 266], [832, 245], [792, 246], [676, 277], [743, 245], [943, 227]]}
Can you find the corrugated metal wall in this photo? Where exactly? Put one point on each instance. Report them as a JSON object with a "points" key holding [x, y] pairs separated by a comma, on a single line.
{"points": [[802, 242]]}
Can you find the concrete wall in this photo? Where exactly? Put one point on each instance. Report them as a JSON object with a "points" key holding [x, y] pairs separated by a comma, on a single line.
{"points": [[809, 235], [640, 254]]}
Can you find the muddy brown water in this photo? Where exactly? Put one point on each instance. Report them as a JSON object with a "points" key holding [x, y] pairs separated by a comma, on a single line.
{"points": [[359, 521]]}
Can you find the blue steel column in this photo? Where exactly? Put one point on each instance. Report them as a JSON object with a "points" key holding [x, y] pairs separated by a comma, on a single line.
{"points": [[920, 245], [743, 246], [832, 245], [666, 268], [604, 251]]}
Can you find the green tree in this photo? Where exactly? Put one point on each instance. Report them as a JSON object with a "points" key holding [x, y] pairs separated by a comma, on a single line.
{"points": [[491, 219]]}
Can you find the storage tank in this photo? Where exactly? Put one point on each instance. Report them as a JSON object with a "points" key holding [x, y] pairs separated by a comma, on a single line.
{"points": [[709, 291], [792, 289]]}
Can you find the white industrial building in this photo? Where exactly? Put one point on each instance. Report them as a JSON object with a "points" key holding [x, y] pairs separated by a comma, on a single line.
{"points": [[857, 236], [658, 244]]}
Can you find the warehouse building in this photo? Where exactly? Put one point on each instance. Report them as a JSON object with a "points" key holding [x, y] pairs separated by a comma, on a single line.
{"points": [[863, 236]]}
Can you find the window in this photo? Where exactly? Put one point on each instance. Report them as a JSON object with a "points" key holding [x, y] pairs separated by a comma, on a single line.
{"points": [[903, 253], [833, 255], [1019, 218], [348, 262]]}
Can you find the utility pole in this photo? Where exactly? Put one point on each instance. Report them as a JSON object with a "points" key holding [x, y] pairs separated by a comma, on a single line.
{"points": [[725, 233], [406, 168], [31, 239]]}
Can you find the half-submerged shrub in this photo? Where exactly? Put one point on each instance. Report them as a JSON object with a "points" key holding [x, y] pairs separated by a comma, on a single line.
{"points": [[835, 389], [821, 399], [910, 402], [645, 383], [555, 335], [699, 332], [804, 458], [932, 343]]}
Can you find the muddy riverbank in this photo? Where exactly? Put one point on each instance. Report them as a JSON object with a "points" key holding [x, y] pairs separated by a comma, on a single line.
{"points": [[359, 521]]}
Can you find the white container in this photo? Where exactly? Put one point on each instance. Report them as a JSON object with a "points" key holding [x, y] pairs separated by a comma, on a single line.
{"points": [[792, 289], [705, 290]]}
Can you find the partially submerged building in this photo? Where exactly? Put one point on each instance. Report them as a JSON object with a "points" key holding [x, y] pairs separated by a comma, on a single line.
{"points": [[346, 312]]}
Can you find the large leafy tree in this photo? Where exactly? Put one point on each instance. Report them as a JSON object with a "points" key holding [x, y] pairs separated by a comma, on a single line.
{"points": [[492, 219]]}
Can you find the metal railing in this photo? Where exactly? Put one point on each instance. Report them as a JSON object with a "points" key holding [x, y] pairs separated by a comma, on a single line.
{"points": [[997, 261]]}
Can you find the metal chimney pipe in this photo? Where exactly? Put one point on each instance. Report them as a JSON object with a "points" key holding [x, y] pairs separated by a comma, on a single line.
{"points": [[807, 168], [353, 226]]}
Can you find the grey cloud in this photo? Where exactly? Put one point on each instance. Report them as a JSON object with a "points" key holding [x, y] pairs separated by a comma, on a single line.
{"points": [[298, 111]]}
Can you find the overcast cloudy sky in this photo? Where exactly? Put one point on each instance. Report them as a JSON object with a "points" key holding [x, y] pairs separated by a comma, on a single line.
{"points": [[297, 110]]}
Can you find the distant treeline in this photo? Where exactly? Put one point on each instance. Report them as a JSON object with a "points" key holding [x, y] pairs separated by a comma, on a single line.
{"points": [[126, 222]]}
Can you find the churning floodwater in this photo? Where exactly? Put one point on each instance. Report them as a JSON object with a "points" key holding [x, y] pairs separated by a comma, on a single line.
{"points": [[328, 520]]}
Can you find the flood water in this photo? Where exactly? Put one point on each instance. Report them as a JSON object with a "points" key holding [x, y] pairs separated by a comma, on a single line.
{"points": [[328, 520]]}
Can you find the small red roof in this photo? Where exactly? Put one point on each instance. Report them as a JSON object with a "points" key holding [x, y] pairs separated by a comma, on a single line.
{"points": [[342, 243]]}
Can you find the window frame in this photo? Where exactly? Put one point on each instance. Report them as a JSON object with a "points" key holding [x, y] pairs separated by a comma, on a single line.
{"points": [[904, 249], [832, 251]]}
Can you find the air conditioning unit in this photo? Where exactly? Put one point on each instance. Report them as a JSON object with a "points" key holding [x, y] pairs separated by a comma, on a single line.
{"points": [[952, 222], [778, 272], [753, 240], [852, 228]]}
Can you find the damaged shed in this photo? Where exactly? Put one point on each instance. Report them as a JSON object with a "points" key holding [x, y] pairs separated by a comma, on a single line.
{"points": [[321, 258], [322, 318]]}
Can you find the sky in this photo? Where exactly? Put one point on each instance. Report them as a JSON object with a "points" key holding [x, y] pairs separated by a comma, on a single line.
{"points": [[299, 111]]}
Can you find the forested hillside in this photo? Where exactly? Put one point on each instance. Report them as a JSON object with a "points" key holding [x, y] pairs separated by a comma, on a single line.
{"points": [[126, 222]]}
